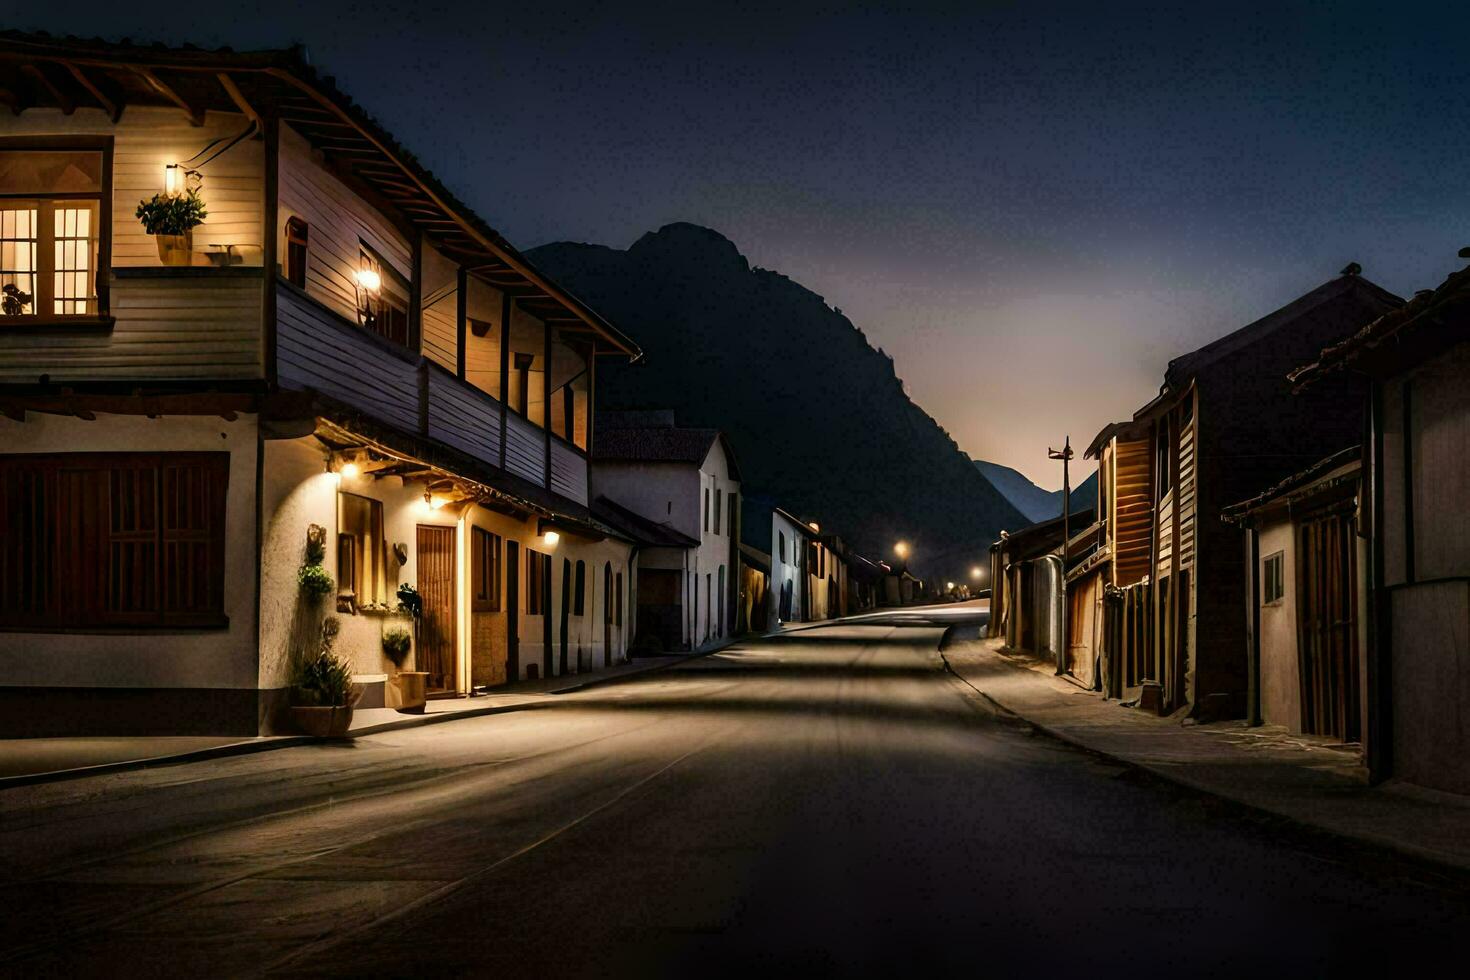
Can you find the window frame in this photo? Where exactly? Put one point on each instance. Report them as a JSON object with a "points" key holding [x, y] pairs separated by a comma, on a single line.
{"points": [[102, 274], [402, 288], [298, 245], [1276, 580], [484, 544]]}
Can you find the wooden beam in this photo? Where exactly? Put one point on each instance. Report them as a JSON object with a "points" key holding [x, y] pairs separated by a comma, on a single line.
{"points": [[66, 103], [113, 107], [196, 116], [236, 96]]}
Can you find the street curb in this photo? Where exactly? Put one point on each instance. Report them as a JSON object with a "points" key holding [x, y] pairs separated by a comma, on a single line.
{"points": [[1435, 861], [270, 743]]}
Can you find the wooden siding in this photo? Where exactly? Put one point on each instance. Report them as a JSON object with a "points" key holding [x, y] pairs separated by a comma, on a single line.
{"points": [[338, 220], [1186, 494], [146, 139], [568, 472], [320, 351], [441, 310], [464, 417], [1131, 514], [525, 449], [168, 327], [1439, 437], [1166, 532]]}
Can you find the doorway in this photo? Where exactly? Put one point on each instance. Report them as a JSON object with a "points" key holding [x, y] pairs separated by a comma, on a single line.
{"points": [[1328, 626], [436, 588], [566, 608]]}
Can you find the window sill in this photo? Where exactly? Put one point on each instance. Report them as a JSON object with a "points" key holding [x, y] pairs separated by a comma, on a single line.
{"points": [[22, 324]]}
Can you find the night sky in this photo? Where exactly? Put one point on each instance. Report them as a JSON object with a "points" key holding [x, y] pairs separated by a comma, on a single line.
{"points": [[1031, 207]]}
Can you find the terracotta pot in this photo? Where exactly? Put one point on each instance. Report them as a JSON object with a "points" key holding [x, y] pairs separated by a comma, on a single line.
{"points": [[322, 722], [176, 249], [410, 686]]}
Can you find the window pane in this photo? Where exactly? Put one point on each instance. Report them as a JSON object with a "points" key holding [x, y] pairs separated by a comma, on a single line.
{"points": [[75, 252], [17, 261]]}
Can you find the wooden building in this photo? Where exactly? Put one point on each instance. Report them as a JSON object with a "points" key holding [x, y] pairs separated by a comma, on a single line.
{"points": [[685, 483], [346, 368], [1026, 597], [1416, 465], [1303, 600], [1224, 424]]}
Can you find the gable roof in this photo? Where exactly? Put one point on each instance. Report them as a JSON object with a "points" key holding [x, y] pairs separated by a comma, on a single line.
{"points": [[1348, 458], [659, 444], [1432, 321], [1185, 367]]}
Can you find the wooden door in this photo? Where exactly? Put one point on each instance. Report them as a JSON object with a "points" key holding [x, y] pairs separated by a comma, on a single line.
{"points": [[1328, 626], [512, 611], [436, 587]]}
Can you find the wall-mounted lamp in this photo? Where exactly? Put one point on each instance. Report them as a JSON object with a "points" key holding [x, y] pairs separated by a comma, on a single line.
{"points": [[173, 180], [814, 526], [433, 502], [350, 469], [551, 538], [369, 279]]}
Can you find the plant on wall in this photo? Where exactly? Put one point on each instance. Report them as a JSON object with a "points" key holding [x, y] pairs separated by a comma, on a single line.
{"points": [[314, 581], [321, 679], [409, 601], [172, 214], [396, 644]]}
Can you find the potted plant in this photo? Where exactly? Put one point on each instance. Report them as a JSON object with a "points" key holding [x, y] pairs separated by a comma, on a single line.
{"points": [[411, 685], [322, 692], [314, 581], [171, 219]]}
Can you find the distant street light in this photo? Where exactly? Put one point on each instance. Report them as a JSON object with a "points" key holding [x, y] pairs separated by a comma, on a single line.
{"points": [[975, 573], [902, 550]]}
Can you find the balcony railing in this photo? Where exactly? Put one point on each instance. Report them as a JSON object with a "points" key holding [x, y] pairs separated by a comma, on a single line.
{"points": [[320, 351]]}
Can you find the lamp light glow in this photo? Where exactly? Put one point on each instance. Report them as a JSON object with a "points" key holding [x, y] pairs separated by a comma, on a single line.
{"points": [[350, 469], [551, 537], [975, 573], [901, 549], [369, 279], [173, 179]]}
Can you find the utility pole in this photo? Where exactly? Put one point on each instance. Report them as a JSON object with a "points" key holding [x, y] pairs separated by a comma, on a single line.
{"points": [[1065, 455]]}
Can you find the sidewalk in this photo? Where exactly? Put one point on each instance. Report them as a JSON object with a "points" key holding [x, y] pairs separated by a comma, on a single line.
{"points": [[1304, 779], [32, 760]]}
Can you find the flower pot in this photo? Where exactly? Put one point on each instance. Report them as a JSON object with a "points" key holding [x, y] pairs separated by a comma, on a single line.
{"points": [[409, 687], [176, 249], [322, 722]]}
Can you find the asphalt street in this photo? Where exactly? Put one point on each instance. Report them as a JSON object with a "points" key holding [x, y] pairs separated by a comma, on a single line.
{"points": [[830, 801]]}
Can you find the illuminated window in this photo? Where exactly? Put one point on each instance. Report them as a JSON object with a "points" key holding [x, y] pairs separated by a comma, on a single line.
{"points": [[361, 550], [51, 218], [382, 298]]}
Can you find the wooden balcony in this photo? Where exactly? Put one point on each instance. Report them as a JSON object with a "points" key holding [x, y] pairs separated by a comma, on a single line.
{"points": [[163, 324], [318, 350]]}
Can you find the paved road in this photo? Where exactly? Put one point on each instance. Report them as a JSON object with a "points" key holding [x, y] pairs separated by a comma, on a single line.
{"points": [[831, 801]]}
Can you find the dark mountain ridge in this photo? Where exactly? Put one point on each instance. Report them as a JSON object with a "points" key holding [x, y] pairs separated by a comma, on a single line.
{"points": [[817, 417]]}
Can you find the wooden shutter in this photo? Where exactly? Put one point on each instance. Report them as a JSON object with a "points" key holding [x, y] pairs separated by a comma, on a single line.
{"points": [[112, 540]]}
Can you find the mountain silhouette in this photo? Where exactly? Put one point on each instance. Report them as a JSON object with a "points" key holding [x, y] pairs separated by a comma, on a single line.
{"points": [[818, 419], [1032, 501]]}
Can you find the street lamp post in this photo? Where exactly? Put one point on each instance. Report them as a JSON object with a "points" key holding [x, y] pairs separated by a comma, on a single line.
{"points": [[1065, 455]]}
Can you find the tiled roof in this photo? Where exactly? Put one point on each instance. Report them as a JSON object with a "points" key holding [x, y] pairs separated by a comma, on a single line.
{"points": [[659, 445], [1439, 316]]}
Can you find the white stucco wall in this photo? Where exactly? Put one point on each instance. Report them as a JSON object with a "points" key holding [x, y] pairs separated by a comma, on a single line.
{"points": [[1280, 671], [173, 658], [299, 491], [713, 553], [791, 569]]}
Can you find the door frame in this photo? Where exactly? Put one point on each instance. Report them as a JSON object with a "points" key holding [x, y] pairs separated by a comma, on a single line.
{"points": [[451, 673], [512, 610]]}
